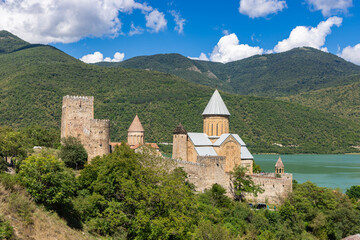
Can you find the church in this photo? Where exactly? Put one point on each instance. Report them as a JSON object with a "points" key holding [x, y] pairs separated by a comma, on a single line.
{"points": [[214, 141]]}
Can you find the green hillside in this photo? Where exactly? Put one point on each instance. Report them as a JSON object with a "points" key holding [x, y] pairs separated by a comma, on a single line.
{"points": [[342, 101], [10, 42], [34, 80], [282, 74]]}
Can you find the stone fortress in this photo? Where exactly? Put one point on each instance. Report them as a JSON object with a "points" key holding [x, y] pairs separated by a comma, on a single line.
{"points": [[210, 156], [207, 157]]}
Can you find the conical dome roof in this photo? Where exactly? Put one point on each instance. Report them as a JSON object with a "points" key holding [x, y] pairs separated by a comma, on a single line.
{"points": [[279, 163], [136, 125], [180, 130], [216, 106]]}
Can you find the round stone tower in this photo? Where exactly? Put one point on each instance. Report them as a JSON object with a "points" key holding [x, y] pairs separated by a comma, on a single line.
{"points": [[136, 132], [216, 116], [179, 143]]}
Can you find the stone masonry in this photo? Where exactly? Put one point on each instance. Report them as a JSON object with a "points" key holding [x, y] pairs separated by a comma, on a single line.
{"points": [[78, 121]]}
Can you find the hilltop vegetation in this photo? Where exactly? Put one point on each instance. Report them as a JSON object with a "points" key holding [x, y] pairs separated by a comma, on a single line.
{"points": [[34, 80], [10, 42], [282, 74], [127, 195], [342, 101]]}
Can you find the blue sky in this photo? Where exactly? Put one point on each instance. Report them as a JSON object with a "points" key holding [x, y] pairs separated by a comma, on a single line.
{"points": [[220, 31]]}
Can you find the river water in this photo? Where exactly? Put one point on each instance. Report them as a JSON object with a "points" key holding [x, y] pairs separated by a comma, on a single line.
{"points": [[332, 171]]}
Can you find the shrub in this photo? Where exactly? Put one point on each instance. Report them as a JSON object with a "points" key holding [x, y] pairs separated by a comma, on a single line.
{"points": [[73, 153]]}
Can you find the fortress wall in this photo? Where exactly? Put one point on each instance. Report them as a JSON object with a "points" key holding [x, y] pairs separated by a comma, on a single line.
{"points": [[248, 164], [206, 172], [276, 189]]}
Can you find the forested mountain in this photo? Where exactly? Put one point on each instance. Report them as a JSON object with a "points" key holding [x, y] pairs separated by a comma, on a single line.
{"points": [[282, 74], [33, 81]]}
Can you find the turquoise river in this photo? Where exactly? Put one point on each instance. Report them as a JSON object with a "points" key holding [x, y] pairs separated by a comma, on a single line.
{"points": [[332, 171]]}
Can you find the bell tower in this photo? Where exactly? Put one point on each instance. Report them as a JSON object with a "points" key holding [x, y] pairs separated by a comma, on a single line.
{"points": [[279, 167], [216, 116]]}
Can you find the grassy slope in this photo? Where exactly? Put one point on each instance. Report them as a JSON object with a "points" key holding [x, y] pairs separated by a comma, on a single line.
{"points": [[34, 80], [295, 71], [31, 221]]}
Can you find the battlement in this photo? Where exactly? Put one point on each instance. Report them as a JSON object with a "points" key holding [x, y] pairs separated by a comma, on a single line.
{"points": [[86, 98], [211, 159]]}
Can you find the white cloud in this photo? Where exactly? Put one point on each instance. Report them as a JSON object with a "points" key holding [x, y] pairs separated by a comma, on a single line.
{"points": [[99, 57], [228, 49], [156, 21], [261, 8], [180, 22], [303, 36], [135, 30], [45, 21], [351, 54], [330, 7], [202, 57]]}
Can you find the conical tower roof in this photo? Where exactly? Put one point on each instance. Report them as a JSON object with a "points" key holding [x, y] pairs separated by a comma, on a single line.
{"points": [[136, 125], [216, 106], [279, 163], [180, 130]]}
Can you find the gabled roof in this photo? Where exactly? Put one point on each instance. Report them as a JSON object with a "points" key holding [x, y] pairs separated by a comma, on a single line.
{"points": [[279, 163], [216, 106], [245, 154], [136, 125], [199, 139], [205, 151], [223, 137]]}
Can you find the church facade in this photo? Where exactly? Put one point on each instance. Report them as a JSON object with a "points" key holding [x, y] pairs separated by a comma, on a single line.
{"points": [[214, 141]]}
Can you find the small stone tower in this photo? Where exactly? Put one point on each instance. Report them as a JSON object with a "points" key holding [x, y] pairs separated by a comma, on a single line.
{"points": [[136, 132], [180, 143], [216, 116], [78, 121], [279, 167]]}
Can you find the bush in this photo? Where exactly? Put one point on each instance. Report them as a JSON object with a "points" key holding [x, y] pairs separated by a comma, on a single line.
{"points": [[354, 192], [73, 153], [47, 180]]}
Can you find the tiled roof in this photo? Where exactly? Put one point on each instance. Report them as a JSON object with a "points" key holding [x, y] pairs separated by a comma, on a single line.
{"points": [[205, 151], [136, 125], [179, 129], [279, 163], [199, 139], [216, 106]]}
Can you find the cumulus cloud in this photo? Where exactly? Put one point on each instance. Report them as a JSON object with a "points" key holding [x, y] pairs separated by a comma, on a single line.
{"points": [[330, 7], [180, 22], [156, 21], [303, 36], [135, 30], [351, 54], [202, 57], [261, 8], [99, 57], [228, 49], [45, 21]]}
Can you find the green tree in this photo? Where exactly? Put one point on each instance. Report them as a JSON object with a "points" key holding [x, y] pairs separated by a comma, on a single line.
{"points": [[39, 136], [73, 153], [13, 145], [47, 180], [242, 183], [354, 192]]}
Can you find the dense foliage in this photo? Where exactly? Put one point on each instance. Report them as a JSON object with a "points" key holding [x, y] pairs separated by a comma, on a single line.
{"points": [[281, 74], [354, 192], [73, 153], [47, 180], [34, 80]]}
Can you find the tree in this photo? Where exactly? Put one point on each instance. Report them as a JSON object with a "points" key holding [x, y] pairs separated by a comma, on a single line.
{"points": [[73, 153], [13, 144], [39, 136], [47, 180], [354, 192], [241, 183]]}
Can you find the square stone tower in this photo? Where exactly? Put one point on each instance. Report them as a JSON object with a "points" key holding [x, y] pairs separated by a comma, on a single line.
{"points": [[78, 121]]}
